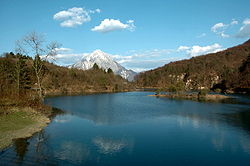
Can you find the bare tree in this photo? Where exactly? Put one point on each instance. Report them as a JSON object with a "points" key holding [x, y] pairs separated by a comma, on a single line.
{"points": [[52, 50], [33, 45], [20, 48]]}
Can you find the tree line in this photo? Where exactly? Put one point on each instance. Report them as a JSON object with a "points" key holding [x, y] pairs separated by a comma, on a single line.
{"points": [[27, 75]]}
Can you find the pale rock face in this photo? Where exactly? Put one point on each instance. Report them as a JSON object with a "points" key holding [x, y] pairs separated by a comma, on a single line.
{"points": [[104, 61]]}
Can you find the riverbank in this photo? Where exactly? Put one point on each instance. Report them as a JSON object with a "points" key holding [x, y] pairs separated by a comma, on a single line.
{"points": [[88, 92], [194, 96], [51, 93], [18, 122]]}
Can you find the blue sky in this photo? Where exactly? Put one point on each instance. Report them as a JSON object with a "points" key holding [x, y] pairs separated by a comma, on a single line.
{"points": [[139, 34]]}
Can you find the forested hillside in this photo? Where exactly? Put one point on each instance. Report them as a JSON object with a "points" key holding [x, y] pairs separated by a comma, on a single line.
{"points": [[228, 70], [19, 78]]}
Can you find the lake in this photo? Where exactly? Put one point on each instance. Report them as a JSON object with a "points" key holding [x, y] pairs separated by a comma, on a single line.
{"points": [[122, 129]]}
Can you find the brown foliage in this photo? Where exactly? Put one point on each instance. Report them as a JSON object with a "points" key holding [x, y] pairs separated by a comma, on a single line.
{"points": [[56, 80], [203, 71]]}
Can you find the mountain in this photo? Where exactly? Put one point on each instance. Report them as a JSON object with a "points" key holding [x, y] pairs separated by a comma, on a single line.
{"points": [[226, 70], [56, 80], [104, 61]]}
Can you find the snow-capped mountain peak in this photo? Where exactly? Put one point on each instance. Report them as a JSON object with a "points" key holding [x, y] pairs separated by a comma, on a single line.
{"points": [[104, 61], [98, 54]]}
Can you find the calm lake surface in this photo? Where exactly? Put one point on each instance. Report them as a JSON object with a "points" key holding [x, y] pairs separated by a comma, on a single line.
{"points": [[135, 129]]}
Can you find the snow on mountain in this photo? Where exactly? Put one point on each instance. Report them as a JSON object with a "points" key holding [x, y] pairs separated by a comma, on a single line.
{"points": [[104, 61]]}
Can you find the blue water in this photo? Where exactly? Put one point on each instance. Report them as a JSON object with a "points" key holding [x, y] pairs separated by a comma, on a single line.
{"points": [[135, 129]]}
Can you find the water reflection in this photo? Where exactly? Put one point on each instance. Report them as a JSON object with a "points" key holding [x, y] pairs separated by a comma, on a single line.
{"points": [[239, 119], [120, 129], [218, 141], [74, 152], [245, 143], [62, 119], [21, 147], [109, 146], [118, 109]]}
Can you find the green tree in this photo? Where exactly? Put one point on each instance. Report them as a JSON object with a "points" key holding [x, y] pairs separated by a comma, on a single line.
{"points": [[177, 87], [21, 74], [110, 70], [96, 67], [6, 75]]}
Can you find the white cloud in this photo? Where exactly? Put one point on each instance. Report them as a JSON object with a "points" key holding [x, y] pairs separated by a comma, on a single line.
{"points": [[131, 25], [145, 60], [109, 25], [201, 35], [234, 22], [142, 64], [74, 16], [66, 59], [98, 10], [199, 50], [246, 21], [218, 26], [63, 50], [142, 55], [138, 70], [183, 48], [122, 59], [222, 34], [244, 31], [95, 11]]}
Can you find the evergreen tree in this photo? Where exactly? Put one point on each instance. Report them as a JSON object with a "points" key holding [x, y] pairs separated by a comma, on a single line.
{"points": [[110, 70], [21, 74], [96, 67]]}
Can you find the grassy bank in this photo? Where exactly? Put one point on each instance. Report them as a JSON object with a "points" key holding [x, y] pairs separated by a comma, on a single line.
{"points": [[18, 122]]}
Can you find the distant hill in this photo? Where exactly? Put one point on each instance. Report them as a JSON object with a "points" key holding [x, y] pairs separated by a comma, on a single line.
{"points": [[17, 70], [228, 70], [104, 61]]}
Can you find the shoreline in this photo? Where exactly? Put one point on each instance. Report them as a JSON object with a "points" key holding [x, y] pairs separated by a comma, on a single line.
{"points": [[33, 121], [207, 97], [20, 123], [51, 94], [23, 122]]}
